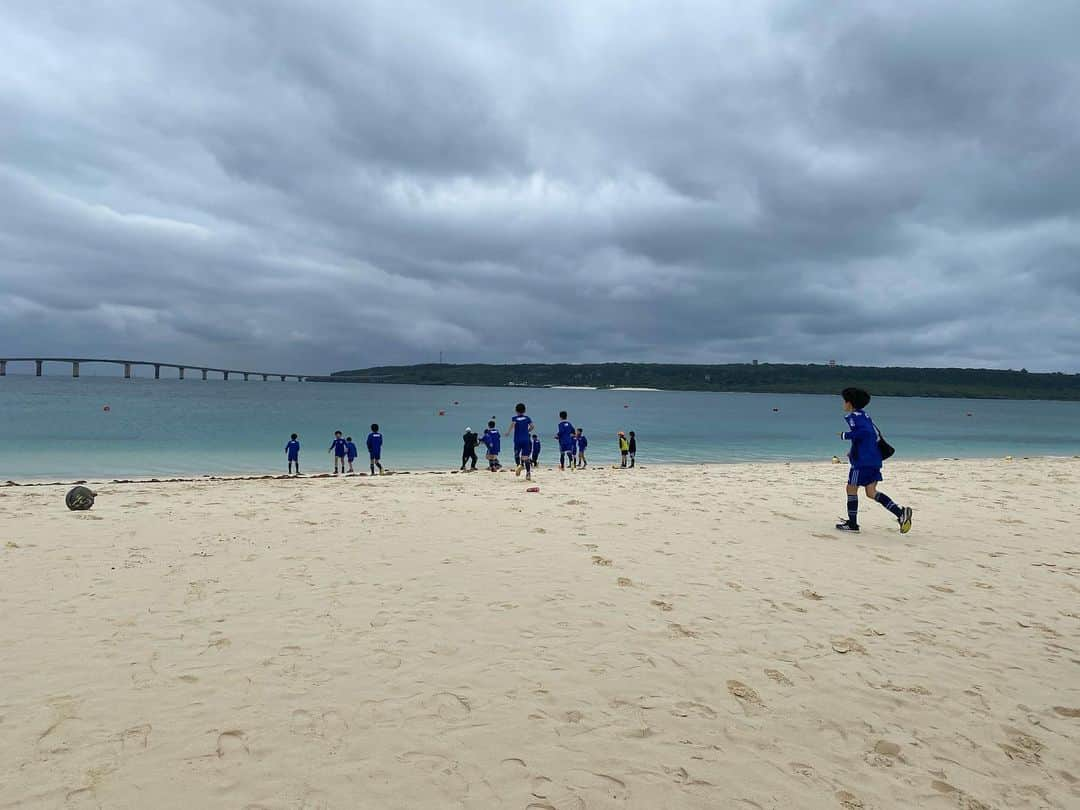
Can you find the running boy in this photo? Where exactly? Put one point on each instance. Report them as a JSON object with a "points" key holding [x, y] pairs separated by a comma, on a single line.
{"points": [[337, 447], [292, 455], [865, 463], [521, 426], [582, 443], [374, 448], [351, 452], [493, 442], [535, 449], [632, 448], [624, 448], [565, 435]]}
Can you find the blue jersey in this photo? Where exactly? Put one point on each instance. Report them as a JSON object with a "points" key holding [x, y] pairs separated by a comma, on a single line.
{"points": [[536, 447], [582, 442], [293, 450], [338, 446], [522, 430], [350, 450], [863, 436], [566, 435], [493, 440], [374, 445]]}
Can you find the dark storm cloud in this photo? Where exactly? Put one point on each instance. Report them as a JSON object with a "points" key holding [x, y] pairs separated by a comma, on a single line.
{"points": [[275, 185]]}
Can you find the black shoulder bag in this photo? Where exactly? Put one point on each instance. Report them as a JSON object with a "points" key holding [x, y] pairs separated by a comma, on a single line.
{"points": [[886, 449]]}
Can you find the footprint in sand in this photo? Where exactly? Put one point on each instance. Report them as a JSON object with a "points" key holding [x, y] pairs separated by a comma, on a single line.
{"points": [[847, 645], [1022, 747], [624, 582], [849, 801], [812, 595], [447, 705], [136, 736], [380, 619], [744, 694], [598, 560], [678, 631], [1066, 712], [687, 708], [963, 800], [664, 606], [231, 743], [779, 677]]}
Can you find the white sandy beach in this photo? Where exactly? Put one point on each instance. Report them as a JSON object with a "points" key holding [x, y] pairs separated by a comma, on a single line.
{"points": [[690, 637]]}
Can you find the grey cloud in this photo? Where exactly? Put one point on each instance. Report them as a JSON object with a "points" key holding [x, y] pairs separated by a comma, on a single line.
{"points": [[276, 184]]}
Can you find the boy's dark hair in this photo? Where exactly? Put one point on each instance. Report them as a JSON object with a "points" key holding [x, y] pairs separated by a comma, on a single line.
{"points": [[632, 433], [348, 438], [337, 432], [294, 435], [562, 414], [857, 397], [491, 424], [374, 427], [520, 407]]}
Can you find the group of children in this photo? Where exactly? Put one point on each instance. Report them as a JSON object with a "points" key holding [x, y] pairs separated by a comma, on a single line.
{"points": [[344, 451], [573, 444], [865, 454]]}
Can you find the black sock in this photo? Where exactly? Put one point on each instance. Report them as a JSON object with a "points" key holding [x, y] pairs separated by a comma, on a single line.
{"points": [[853, 510], [888, 503]]}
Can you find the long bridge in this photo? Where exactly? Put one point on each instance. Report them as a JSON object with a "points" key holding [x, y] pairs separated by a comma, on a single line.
{"points": [[76, 362]]}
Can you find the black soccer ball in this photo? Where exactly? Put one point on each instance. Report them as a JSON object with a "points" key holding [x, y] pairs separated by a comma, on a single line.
{"points": [[80, 499]]}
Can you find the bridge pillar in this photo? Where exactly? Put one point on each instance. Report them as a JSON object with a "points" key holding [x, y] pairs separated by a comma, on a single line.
{"points": [[226, 375], [127, 371], [245, 376], [37, 368], [157, 371], [204, 373], [266, 377], [181, 372], [299, 379], [3, 368], [283, 378], [75, 369]]}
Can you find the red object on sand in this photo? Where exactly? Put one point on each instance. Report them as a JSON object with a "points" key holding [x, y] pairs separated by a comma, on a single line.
{"points": [[533, 489]]}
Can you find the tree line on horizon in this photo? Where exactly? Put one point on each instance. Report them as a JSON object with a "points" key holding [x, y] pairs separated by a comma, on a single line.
{"points": [[781, 378]]}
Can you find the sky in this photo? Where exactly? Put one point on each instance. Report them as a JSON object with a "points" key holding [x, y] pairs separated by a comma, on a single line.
{"points": [[305, 187]]}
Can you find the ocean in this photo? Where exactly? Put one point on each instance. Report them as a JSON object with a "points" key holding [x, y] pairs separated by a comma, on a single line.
{"points": [[58, 428]]}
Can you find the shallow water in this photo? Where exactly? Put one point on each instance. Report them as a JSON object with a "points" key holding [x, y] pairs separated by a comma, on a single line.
{"points": [[57, 428]]}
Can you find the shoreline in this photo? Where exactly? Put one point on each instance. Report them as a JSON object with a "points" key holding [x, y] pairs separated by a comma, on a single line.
{"points": [[428, 471]]}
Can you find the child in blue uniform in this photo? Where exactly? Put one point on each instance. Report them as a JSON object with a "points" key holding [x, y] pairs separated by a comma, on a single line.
{"points": [[865, 458], [582, 443], [565, 435], [292, 455], [521, 426], [350, 452], [337, 447], [374, 448], [493, 442], [535, 449]]}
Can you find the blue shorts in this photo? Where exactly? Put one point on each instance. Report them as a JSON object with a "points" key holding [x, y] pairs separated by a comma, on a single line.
{"points": [[523, 449], [861, 476], [376, 456]]}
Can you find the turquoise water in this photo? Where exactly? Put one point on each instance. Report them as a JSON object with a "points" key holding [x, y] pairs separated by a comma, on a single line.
{"points": [[56, 428]]}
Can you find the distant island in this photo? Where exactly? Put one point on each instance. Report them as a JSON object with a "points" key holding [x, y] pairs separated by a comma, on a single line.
{"points": [[783, 378]]}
